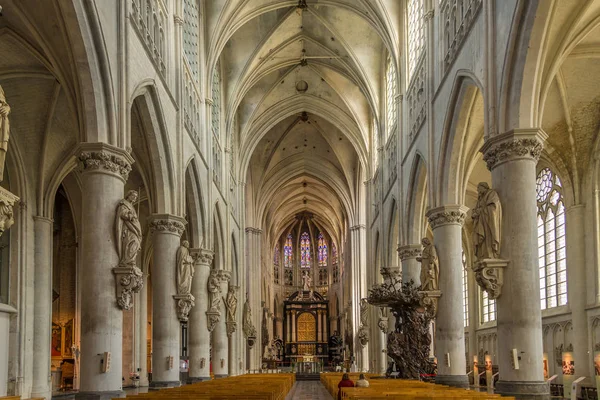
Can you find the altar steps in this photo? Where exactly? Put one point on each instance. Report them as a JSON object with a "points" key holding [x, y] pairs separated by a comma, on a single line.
{"points": [[307, 377]]}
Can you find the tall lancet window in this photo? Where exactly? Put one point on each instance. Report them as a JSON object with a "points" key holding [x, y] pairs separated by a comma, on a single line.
{"points": [[276, 264], [552, 250], [416, 33], [488, 307], [288, 273], [322, 251], [305, 250], [190, 35], [391, 89], [334, 263]]}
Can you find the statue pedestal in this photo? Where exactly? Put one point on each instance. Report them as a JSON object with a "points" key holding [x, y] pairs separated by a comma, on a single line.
{"points": [[184, 304], [7, 202], [213, 316], [129, 280], [489, 274], [429, 300]]}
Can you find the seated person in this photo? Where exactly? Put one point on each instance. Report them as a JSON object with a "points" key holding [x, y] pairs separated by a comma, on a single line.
{"points": [[362, 381], [345, 382]]}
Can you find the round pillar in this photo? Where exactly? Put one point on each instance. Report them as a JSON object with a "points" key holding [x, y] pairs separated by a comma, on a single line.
{"points": [[105, 170], [446, 223], [198, 336], [166, 232], [512, 158], [220, 342], [411, 268]]}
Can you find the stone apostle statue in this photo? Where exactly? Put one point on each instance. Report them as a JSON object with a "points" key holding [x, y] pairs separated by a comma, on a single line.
{"points": [[185, 268], [4, 130], [128, 231], [487, 219], [231, 304], [430, 266], [364, 312], [214, 291], [306, 281], [248, 327]]}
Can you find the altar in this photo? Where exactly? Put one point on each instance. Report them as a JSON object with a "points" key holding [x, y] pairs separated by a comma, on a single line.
{"points": [[309, 365]]}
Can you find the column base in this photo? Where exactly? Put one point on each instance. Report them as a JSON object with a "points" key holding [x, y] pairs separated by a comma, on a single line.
{"points": [[461, 381], [46, 394], [194, 379], [524, 389], [164, 384], [109, 395], [221, 376]]}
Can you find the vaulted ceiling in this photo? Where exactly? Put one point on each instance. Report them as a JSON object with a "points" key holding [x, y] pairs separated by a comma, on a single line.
{"points": [[303, 82]]}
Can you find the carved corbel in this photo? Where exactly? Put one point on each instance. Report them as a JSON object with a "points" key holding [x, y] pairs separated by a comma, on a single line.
{"points": [[489, 274], [7, 201], [184, 304], [213, 317], [429, 301], [129, 280]]}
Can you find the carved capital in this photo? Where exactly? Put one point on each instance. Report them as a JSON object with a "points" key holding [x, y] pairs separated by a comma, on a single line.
{"points": [[517, 144], [489, 274], [165, 223], [224, 276], [177, 19], [129, 280], [409, 251], [184, 304], [447, 215], [7, 202], [202, 256], [102, 157]]}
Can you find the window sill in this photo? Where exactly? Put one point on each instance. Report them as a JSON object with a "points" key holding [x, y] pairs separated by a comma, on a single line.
{"points": [[555, 311]]}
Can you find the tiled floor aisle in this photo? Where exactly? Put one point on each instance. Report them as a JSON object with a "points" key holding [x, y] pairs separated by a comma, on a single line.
{"points": [[309, 390]]}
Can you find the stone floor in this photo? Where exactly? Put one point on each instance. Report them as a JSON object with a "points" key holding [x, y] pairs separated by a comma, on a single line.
{"points": [[308, 390]]}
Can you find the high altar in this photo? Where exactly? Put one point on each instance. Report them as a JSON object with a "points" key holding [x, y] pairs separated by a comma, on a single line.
{"points": [[306, 317]]}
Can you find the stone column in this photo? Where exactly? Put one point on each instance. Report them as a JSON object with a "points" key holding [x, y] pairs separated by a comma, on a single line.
{"points": [[411, 268], [166, 232], [232, 339], [198, 335], [5, 313], [446, 223], [42, 308], [512, 158], [293, 326], [319, 327], [220, 343], [576, 285], [142, 305], [288, 327], [105, 170]]}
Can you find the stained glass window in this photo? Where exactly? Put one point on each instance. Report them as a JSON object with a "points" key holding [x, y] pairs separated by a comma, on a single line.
{"points": [[305, 250], [552, 252], [416, 33], [276, 255], [465, 285], [287, 252], [322, 251], [276, 264], [390, 98], [334, 258]]}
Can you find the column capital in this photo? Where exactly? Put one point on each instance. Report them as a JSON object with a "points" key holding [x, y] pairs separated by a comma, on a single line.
{"points": [[224, 276], [409, 251], [202, 256], [255, 231], [446, 215], [166, 223], [39, 218], [517, 144], [105, 158], [358, 227]]}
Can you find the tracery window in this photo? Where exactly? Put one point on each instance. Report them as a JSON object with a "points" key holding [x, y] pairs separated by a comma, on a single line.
{"points": [[287, 252], [488, 307], [334, 261], [552, 250], [322, 251], [190, 34], [416, 32], [305, 250], [465, 286], [216, 100], [391, 87], [276, 264]]}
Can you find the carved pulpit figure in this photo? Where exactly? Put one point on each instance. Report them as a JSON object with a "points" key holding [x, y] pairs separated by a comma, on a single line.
{"points": [[487, 219], [185, 268], [430, 266], [231, 304], [128, 231], [4, 130], [306, 281]]}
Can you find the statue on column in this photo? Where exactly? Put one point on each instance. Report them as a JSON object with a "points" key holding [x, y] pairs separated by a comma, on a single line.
{"points": [[487, 219], [231, 304], [306, 281], [185, 268], [214, 291], [430, 266], [4, 130], [128, 240], [128, 231], [248, 326]]}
